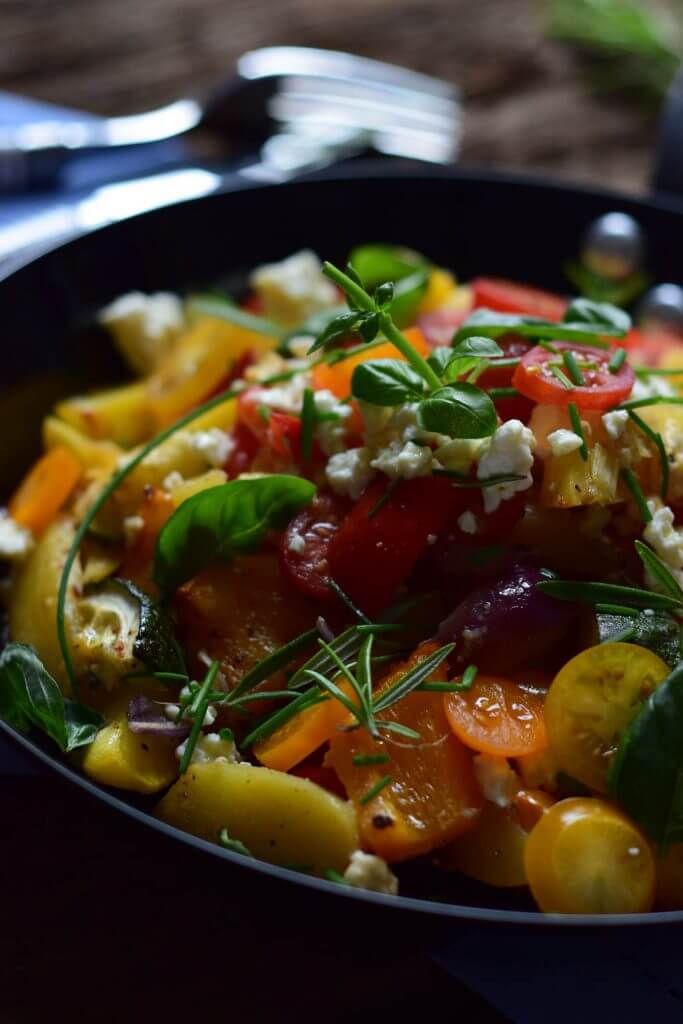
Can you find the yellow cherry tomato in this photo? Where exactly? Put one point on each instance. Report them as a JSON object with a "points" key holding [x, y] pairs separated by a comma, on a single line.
{"points": [[585, 857], [592, 700]]}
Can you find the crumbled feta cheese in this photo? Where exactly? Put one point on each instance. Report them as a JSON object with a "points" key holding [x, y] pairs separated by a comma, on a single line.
{"points": [[132, 527], [211, 747], [615, 423], [331, 434], [172, 480], [286, 397], [350, 472], [468, 522], [458, 453], [664, 539], [300, 345], [403, 461], [562, 442], [498, 782], [432, 538], [366, 871], [215, 445], [652, 387], [297, 543], [294, 288], [510, 452], [144, 326], [16, 542]]}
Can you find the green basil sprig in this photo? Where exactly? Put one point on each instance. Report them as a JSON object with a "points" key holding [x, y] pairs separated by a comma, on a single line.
{"points": [[387, 382], [468, 356], [29, 696], [459, 410], [409, 270], [224, 521], [646, 776]]}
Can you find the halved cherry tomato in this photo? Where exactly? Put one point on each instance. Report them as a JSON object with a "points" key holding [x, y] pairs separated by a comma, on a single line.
{"points": [[374, 552], [439, 327], [585, 857], [246, 446], [306, 543], [497, 716], [534, 378], [517, 407], [592, 700], [509, 297]]}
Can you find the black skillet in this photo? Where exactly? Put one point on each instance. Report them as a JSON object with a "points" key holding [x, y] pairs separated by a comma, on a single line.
{"points": [[476, 222]]}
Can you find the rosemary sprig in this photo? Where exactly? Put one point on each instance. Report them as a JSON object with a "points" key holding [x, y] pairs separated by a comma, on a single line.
{"points": [[631, 481], [578, 429], [345, 599], [609, 593], [198, 710], [659, 570], [374, 790]]}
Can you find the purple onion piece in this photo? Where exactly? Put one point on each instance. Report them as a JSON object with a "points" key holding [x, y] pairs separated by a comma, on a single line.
{"points": [[507, 623], [147, 718]]}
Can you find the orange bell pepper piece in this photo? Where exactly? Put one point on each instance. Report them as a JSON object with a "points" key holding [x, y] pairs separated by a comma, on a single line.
{"points": [[42, 493], [337, 378], [431, 796]]}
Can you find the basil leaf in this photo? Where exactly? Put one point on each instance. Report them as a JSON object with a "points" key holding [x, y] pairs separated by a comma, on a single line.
{"points": [[646, 776], [377, 263], [386, 382], [600, 314], [313, 325], [439, 358], [478, 346], [368, 326], [155, 645], [338, 327], [224, 521], [488, 323], [30, 696], [459, 410], [656, 631]]}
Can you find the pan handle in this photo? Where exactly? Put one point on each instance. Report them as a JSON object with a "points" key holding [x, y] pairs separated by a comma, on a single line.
{"points": [[668, 172]]}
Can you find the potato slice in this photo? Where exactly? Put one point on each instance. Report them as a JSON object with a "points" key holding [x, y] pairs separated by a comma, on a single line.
{"points": [[280, 818]]}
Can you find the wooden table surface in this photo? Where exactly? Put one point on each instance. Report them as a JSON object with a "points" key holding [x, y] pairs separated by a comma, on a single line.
{"points": [[524, 102]]}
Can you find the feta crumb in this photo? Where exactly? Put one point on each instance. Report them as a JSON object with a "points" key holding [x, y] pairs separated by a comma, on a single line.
{"points": [[366, 871], [294, 288], [653, 387], [615, 423], [297, 543], [215, 445], [144, 326], [172, 480], [286, 397], [458, 453], [132, 527], [510, 451], [665, 540], [562, 442], [211, 747], [403, 461], [432, 538], [331, 434], [16, 542], [300, 345], [468, 522], [498, 782], [350, 472]]}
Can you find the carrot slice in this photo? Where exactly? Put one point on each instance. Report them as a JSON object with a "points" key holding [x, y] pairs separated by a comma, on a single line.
{"points": [[337, 378], [42, 493], [497, 716], [299, 737]]}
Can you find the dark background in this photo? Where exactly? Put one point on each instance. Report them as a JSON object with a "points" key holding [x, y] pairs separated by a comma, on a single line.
{"points": [[525, 102]]}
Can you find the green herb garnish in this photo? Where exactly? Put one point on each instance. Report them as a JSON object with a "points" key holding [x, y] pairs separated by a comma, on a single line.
{"points": [[617, 360], [656, 438], [571, 366], [578, 429], [235, 845], [631, 481], [197, 711], [374, 790], [361, 760]]}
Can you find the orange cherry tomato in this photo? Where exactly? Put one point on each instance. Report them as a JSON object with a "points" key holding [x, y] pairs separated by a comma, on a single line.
{"points": [[534, 377], [497, 716], [585, 857]]}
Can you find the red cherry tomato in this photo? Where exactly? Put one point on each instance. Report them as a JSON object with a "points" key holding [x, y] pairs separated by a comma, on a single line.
{"points": [[306, 542], [650, 347], [439, 327], [373, 553], [534, 378], [246, 445], [518, 407], [509, 297]]}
